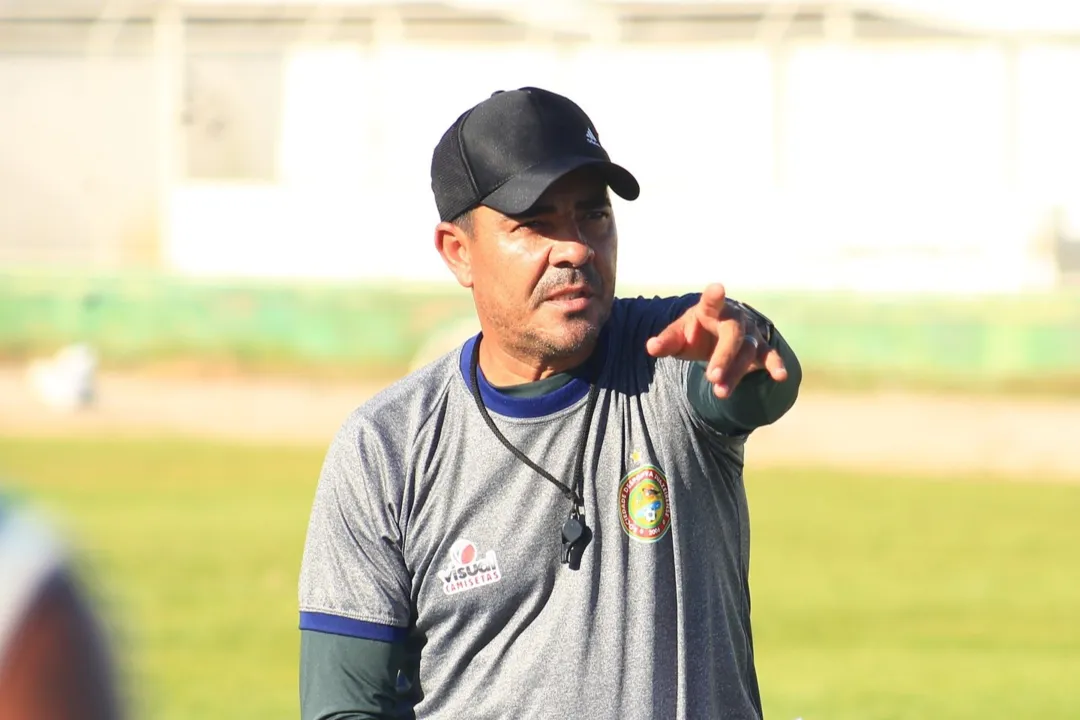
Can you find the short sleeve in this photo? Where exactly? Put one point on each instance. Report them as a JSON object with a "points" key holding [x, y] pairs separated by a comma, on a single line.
{"points": [[353, 578]]}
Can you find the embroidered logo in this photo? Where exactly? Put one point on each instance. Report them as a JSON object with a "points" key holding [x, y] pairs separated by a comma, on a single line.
{"points": [[591, 138], [644, 507], [467, 569]]}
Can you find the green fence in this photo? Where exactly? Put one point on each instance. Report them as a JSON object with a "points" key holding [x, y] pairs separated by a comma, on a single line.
{"points": [[1020, 341], [1003, 341], [139, 320]]}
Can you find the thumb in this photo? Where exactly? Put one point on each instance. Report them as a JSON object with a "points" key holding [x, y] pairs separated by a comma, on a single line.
{"points": [[670, 341]]}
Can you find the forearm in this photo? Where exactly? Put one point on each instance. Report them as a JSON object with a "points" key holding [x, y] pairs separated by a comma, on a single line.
{"points": [[756, 401]]}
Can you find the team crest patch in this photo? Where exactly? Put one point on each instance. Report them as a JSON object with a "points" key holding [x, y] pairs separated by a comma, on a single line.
{"points": [[644, 507], [468, 569]]}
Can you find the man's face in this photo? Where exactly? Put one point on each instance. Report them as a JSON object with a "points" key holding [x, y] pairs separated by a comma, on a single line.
{"points": [[543, 282]]}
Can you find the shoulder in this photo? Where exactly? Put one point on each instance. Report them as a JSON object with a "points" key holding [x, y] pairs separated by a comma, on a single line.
{"points": [[634, 320], [631, 370], [51, 636], [31, 552], [27, 537], [371, 454], [399, 411], [657, 310]]}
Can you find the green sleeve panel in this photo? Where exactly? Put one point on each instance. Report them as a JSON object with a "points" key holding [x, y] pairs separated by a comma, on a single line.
{"points": [[349, 678], [757, 401]]}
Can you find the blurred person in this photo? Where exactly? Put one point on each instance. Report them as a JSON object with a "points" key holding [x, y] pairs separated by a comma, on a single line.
{"points": [[54, 660], [549, 521]]}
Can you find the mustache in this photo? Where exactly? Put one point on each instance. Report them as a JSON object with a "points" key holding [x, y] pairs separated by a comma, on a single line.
{"points": [[558, 278]]}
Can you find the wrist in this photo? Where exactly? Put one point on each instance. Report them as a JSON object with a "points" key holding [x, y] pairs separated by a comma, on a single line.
{"points": [[754, 320]]}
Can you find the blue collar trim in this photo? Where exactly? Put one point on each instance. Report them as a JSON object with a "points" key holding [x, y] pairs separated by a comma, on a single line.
{"points": [[534, 407]]}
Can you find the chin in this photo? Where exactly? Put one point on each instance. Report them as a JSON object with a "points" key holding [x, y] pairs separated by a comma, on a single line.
{"points": [[564, 334], [575, 335]]}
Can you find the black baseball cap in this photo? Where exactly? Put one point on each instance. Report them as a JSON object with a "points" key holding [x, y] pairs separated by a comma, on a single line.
{"points": [[507, 150]]}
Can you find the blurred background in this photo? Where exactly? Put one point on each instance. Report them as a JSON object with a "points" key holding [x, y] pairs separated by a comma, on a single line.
{"points": [[216, 239]]}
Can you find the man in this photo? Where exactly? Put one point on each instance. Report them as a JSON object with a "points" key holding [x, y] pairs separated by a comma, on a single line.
{"points": [[549, 522], [54, 663]]}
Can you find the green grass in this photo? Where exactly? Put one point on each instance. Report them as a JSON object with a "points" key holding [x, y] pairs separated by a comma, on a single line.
{"points": [[891, 598], [874, 597], [195, 548]]}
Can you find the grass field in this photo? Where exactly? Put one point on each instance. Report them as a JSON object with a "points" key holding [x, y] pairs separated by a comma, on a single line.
{"points": [[874, 597]]}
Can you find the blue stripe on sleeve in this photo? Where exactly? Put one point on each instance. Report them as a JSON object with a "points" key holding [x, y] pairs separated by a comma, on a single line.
{"points": [[337, 625]]}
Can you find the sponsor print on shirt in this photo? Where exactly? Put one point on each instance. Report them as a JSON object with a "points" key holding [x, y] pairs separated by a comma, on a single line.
{"points": [[467, 569], [644, 507]]}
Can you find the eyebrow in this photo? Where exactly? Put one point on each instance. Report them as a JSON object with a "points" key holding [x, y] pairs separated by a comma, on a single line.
{"points": [[597, 201]]}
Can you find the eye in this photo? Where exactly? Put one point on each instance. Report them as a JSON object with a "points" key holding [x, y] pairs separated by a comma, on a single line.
{"points": [[530, 225], [597, 214]]}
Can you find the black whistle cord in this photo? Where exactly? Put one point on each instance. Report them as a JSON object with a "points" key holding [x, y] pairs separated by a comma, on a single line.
{"points": [[574, 529]]}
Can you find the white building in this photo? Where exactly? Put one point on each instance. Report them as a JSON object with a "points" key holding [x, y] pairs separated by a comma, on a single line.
{"points": [[907, 145]]}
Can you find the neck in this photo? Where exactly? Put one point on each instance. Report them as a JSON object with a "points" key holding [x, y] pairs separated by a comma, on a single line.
{"points": [[503, 367]]}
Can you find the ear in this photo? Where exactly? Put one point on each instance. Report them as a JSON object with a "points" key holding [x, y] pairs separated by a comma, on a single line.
{"points": [[452, 242]]}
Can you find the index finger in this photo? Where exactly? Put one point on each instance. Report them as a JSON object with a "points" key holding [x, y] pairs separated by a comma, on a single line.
{"points": [[712, 300]]}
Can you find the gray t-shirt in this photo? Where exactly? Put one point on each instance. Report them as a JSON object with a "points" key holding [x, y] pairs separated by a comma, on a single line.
{"points": [[426, 529]]}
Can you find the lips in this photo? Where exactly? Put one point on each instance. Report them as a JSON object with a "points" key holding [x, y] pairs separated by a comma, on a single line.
{"points": [[576, 292]]}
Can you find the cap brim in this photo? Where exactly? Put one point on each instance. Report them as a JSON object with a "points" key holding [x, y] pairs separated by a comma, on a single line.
{"points": [[521, 192]]}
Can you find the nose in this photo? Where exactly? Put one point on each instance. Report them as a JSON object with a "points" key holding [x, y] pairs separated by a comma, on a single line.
{"points": [[571, 249]]}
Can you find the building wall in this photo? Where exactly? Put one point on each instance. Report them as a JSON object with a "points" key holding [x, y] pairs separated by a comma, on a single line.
{"points": [[897, 164], [77, 160]]}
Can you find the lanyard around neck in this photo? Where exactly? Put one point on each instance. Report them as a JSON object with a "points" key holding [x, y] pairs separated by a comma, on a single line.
{"points": [[575, 534]]}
